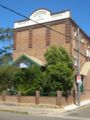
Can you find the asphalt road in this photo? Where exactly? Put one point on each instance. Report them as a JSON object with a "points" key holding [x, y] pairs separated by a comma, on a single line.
{"points": [[13, 116], [82, 113]]}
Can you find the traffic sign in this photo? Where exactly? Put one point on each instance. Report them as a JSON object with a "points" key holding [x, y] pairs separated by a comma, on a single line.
{"points": [[79, 79]]}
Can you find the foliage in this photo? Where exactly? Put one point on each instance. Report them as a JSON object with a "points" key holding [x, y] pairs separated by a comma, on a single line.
{"points": [[25, 80], [54, 55], [6, 46], [58, 75], [6, 77], [28, 80], [6, 59], [59, 71]]}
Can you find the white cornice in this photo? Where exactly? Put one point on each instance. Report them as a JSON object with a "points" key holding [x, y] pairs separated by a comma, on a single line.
{"points": [[42, 16]]}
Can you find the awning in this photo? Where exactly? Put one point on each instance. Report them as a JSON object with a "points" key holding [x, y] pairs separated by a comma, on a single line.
{"points": [[85, 69]]}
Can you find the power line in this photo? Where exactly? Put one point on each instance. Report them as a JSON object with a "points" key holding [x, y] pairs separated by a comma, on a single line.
{"points": [[17, 13], [11, 10]]}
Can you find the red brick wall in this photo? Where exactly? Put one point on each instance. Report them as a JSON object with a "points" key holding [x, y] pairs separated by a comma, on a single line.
{"points": [[56, 38], [28, 99], [83, 46], [22, 40], [11, 99], [39, 40], [46, 100]]}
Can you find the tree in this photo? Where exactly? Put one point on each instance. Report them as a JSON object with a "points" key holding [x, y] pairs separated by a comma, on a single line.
{"points": [[54, 55], [59, 71], [6, 47], [28, 80], [25, 80], [6, 77]]}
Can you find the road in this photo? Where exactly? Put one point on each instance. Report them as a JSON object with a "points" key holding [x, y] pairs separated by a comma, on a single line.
{"points": [[82, 113]]}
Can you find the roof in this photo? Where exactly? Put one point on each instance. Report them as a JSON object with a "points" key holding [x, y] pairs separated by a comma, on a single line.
{"points": [[73, 21], [26, 22], [30, 58], [85, 69], [59, 12]]}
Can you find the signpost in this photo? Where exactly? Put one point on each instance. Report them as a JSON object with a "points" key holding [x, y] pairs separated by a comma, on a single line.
{"points": [[78, 63], [79, 82]]}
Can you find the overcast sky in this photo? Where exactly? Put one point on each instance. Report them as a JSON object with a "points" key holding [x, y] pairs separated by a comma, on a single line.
{"points": [[80, 10]]}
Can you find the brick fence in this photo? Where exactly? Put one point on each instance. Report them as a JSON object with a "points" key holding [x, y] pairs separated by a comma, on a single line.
{"points": [[58, 100]]}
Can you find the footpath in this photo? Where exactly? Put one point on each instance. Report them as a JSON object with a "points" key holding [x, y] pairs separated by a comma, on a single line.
{"points": [[40, 110]]}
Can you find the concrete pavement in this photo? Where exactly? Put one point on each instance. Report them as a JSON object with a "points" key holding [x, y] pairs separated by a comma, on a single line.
{"points": [[32, 110], [41, 110]]}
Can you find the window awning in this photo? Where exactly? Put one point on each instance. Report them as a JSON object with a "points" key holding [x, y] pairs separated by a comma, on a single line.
{"points": [[85, 69]]}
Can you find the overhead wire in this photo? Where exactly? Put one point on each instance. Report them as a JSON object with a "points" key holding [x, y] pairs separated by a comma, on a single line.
{"points": [[42, 24]]}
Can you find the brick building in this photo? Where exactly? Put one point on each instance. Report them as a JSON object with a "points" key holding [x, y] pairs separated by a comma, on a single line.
{"points": [[32, 39]]}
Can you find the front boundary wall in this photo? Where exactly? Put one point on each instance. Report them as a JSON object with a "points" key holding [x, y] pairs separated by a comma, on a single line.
{"points": [[57, 100]]}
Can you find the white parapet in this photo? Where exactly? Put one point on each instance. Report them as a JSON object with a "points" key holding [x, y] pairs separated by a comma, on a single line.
{"points": [[42, 16]]}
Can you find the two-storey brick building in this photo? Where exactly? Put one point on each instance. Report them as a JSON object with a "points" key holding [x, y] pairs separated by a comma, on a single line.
{"points": [[32, 37]]}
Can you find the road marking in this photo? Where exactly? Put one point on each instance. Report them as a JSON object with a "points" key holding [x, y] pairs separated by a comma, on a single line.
{"points": [[76, 118], [69, 112]]}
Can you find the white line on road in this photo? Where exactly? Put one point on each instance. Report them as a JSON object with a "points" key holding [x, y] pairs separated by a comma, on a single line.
{"points": [[76, 118]]}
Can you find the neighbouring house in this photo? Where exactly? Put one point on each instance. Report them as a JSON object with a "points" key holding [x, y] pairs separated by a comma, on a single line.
{"points": [[25, 61], [32, 38]]}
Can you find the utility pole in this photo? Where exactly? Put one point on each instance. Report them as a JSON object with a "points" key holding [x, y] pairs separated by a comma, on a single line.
{"points": [[78, 65]]}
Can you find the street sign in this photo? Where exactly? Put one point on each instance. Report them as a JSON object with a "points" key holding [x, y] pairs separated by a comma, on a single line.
{"points": [[79, 79]]}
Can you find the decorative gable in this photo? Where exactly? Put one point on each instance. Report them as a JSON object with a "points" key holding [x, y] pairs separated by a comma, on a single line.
{"points": [[25, 61]]}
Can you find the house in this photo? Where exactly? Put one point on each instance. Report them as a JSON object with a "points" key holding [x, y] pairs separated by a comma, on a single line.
{"points": [[25, 61]]}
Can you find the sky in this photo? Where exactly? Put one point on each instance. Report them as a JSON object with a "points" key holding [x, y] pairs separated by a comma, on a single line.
{"points": [[80, 10]]}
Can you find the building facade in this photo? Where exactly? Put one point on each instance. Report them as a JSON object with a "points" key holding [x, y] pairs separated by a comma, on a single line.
{"points": [[43, 29], [32, 37]]}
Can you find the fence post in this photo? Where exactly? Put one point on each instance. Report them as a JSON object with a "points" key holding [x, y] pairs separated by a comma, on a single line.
{"points": [[3, 96], [74, 96], [37, 97], [19, 96], [58, 98]]}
